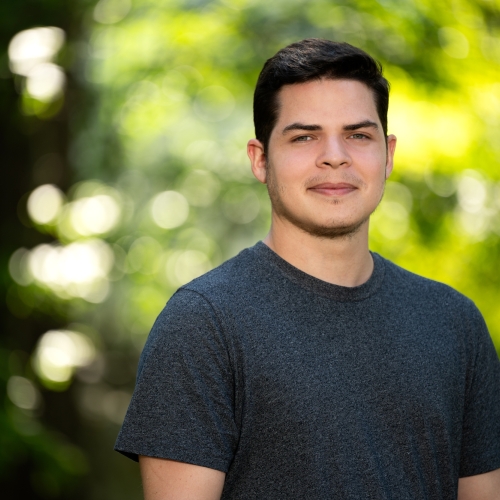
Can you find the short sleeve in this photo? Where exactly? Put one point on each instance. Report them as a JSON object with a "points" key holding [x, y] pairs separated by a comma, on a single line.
{"points": [[183, 403], [481, 423]]}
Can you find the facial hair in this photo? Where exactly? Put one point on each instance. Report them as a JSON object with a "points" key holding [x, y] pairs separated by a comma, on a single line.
{"points": [[332, 230]]}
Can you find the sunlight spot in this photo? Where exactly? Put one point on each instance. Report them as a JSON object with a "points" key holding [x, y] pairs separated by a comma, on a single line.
{"points": [[79, 269], [471, 192], [45, 81], [23, 393], [34, 46], [434, 130], [45, 203], [18, 267], [475, 225], [95, 215], [59, 352], [111, 11], [169, 209]]}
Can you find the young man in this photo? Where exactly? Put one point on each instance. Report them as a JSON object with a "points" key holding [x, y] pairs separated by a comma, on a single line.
{"points": [[308, 367]]}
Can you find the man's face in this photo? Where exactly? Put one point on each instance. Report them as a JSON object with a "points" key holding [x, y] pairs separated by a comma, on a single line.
{"points": [[327, 159]]}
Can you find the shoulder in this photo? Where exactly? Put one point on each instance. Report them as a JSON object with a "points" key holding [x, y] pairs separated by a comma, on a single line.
{"points": [[437, 309], [188, 328], [196, 312], [411, 292], [416, 287], [230, 278]]}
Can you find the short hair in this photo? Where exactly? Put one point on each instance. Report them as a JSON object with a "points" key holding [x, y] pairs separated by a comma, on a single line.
{"points": [[313, 59]]}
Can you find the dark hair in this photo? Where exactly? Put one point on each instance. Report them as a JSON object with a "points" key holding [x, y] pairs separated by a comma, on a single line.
{"points": [[313, 59]]}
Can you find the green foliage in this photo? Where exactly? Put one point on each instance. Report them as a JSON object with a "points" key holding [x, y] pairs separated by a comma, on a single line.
{"points": [[160, 112], [51, 464]]}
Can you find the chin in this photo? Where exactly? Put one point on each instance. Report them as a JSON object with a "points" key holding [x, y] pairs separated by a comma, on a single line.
{"points": [[329, 231], [307, 219]]}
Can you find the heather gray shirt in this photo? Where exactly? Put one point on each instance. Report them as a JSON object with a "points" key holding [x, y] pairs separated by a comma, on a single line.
{"points": [[297, 388]]}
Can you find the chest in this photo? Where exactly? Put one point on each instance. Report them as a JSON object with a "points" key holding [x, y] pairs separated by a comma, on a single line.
{"points": [[348, 367]]}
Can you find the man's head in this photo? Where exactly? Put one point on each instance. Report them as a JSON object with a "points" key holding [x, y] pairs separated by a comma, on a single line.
{"points": [[322, 146], [314, 59]]}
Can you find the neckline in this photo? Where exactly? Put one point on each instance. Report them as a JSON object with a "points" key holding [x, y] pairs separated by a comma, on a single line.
{"points": [[318, 286]]}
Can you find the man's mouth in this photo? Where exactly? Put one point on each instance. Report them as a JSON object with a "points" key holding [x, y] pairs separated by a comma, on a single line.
{"points": [[333, 188]]}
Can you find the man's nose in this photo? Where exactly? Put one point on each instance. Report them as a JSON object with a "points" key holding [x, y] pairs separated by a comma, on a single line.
{"points": [[333, 154]]}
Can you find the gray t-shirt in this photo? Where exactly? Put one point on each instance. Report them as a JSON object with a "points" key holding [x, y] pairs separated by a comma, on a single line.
{"points": [[300, 389]]}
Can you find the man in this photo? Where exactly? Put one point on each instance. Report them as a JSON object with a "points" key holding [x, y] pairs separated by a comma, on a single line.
{"points": [[308, 367]]}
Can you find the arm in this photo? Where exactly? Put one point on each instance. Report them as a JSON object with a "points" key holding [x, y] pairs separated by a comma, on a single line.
{"points": [[480, 487], [183, 403], [170, 480]]}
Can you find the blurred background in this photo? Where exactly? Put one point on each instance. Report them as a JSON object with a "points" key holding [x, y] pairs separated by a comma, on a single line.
{"points": [[123, 132]]}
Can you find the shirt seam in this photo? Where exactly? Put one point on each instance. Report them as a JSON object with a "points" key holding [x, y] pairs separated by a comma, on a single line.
{"points": [[310, 289]]}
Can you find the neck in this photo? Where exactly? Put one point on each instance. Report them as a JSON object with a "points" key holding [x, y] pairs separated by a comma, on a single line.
{"points": [[342, 261]]}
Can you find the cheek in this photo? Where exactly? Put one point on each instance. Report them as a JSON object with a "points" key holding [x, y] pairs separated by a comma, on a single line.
{"points": [[374, 164], [290, 167], [373, 155]]}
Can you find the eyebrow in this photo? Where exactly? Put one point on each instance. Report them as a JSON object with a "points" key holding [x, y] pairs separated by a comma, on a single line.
{"points": [[301, 126], [363, 124], [312, 128]]}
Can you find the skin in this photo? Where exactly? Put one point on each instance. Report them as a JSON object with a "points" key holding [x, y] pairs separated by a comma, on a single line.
{"points": [[170, 480], [327, 134], [325, 169], [480, 487]]}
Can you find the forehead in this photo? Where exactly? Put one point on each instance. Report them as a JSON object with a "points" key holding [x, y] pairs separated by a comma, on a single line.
{"points": [[326, 100]]}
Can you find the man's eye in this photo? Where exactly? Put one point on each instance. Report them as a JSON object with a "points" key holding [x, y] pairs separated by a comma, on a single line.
{"points": [[302, 138], [359, 136]]}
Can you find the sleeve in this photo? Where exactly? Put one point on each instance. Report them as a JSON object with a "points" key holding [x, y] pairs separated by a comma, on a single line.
{"points": [[481, 423], [183, 403]]}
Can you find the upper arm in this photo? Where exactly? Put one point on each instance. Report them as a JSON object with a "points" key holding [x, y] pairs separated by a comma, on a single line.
{"points": [[480, 449], [480, 487], [164, 479], [183, 403]]}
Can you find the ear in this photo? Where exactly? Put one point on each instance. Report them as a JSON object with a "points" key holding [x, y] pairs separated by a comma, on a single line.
{"points": [[255, 151], [391, 148]]}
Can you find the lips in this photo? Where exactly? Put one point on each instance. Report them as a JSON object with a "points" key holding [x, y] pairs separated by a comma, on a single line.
{"points": [[333, 188]]}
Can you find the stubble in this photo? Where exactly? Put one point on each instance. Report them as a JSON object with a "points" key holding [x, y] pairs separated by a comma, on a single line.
{"points": [[332, 230]]}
